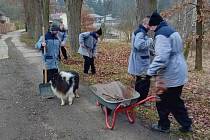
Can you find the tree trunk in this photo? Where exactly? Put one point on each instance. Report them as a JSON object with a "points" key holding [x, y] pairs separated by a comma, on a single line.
{"points": [[145, 8], [46, 13], [33, 16], [29, 16], [38, 19], [187, 49], [199, 38], [25, 5], [74, 8]]}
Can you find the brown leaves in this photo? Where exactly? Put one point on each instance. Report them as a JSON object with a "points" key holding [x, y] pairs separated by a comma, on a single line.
{"points": [[176, 8], [112, 62], [86, 20], [111, 65]]}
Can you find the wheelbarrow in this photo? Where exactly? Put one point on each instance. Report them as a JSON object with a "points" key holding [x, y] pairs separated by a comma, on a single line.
{"points": [[117, 98]]}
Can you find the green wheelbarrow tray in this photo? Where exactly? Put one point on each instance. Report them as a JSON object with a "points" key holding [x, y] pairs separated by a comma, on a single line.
{"points": [[45, 90]]}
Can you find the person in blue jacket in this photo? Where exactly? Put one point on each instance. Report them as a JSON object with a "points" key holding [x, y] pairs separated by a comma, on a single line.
{"points": [[170, 65], [63, 37], [88, 45], [139, 59], [52, 44]]}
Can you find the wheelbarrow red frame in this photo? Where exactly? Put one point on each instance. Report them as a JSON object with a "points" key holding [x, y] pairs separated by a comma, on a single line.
{"points": [[129, 110]]}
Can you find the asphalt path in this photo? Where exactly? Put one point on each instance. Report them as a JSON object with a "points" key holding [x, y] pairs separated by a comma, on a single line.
{"points": [[26, 116]]}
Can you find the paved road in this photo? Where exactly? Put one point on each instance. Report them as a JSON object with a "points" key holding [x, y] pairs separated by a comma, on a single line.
{"points": [[3, 49], [26, 116]]}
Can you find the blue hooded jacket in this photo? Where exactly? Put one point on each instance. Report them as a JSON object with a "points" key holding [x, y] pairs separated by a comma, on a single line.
{"points": [[89, 42], [169, 61], [139, 59], [53, 47]]}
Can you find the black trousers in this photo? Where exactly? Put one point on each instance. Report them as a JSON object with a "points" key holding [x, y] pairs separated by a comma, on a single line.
{"points": [[89, 62], [171, 102], [50, 74], [63, 51], [142, 86]]}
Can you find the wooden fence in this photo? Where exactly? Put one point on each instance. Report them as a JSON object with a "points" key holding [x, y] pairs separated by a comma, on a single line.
{"points": [[6, 27]]}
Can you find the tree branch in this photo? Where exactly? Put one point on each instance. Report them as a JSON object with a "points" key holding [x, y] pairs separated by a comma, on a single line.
{"points": [[192, 4]]}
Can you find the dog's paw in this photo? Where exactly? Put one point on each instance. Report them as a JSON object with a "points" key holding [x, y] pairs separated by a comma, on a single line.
{"points": [[62, 102], [70, 103], [77, 95]]}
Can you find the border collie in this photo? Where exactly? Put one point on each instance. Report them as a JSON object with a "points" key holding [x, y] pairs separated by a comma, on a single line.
{"points": [[65, 85]]}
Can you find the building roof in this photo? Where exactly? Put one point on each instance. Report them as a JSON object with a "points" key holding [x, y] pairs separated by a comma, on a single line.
{"points": [[2, 13], [96, 16]]}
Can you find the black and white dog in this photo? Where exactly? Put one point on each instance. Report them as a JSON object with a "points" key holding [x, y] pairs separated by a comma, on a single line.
{"points": [[65, 85]]}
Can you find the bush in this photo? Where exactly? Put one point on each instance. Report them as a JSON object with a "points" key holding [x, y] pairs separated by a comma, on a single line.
{"points": [[19, 25]]}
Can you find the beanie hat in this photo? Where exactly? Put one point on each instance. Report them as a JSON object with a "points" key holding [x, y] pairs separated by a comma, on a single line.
{"points": [[155, 19], [99, 32], [54, 27]]}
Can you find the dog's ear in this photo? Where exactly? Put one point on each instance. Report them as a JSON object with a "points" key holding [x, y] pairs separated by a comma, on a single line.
{"points": [[64, 78]]}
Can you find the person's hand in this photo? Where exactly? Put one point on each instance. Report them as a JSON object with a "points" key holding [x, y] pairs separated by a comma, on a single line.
{"points": [[150, 40], [63, 43], [83, 46], [160, 85], [44, 44]]}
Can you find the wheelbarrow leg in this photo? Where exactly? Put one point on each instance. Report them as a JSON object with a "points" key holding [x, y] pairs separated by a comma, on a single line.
{"points": [[97, 103], [110, 125], [131, 116]]}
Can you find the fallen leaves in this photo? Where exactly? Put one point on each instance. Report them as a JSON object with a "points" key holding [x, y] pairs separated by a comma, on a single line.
{"points": [[111, 65]]}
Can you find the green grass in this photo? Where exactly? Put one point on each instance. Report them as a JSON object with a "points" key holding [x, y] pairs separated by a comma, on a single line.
{"points": [[26, 39]]}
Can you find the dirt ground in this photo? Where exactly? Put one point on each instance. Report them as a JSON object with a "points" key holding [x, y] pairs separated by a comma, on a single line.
{"points": [[26, 116]]}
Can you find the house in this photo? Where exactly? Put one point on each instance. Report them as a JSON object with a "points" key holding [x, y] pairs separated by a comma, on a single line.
{"points": [[60, 17], [3, 18], [97, 18]]}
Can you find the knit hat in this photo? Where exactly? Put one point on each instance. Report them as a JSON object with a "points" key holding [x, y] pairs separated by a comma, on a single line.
{"points": [[155, 19], [54, 27], [99, 31]]}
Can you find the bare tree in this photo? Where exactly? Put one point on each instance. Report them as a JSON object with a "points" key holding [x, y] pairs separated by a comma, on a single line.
{"points": [[127, 18], [29, 19], [144, 8], [46, 12], [38, 18], [74, 21], [34, 10], [199, 38]]}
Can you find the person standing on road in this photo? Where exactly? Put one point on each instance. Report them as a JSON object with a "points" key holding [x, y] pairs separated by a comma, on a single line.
{"points": [[52, 45], [88, 45], [170, 66], [139, 59]]}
